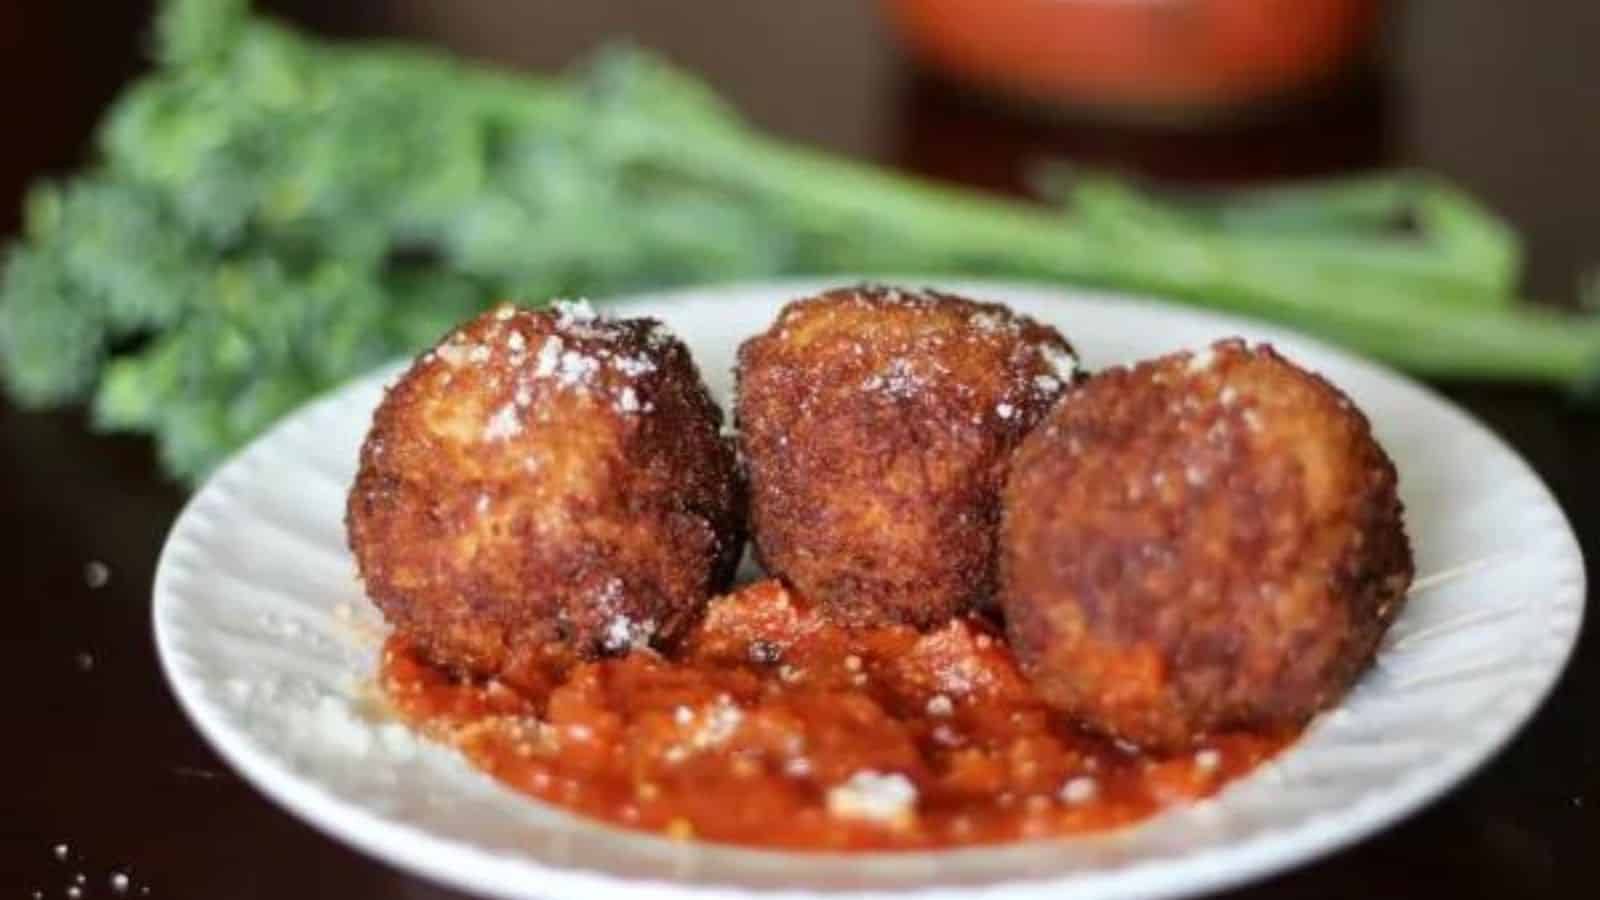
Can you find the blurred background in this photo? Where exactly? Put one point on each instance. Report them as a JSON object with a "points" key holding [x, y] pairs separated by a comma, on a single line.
{"points": [[1499, 96]]}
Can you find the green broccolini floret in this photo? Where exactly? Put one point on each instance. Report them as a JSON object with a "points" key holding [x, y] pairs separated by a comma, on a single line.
{"points": [[271, 214]]}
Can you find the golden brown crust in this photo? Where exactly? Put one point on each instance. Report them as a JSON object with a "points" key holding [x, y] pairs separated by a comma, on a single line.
{"points": [[877, 425], [1204, 541], [546, 478]]}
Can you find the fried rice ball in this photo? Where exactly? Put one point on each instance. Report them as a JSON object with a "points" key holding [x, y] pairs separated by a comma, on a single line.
{"points": [[876, 425], [1202, 542], [546, 481]]}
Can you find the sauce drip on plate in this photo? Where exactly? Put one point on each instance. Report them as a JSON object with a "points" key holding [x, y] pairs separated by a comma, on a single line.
{"points": [[773, 727]]}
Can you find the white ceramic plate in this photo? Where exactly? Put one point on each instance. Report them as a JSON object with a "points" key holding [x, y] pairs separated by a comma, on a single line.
{"points": [[264, 633]]}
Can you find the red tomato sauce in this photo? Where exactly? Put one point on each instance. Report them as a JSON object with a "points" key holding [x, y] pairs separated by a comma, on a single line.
{"points": [[773, 727]]}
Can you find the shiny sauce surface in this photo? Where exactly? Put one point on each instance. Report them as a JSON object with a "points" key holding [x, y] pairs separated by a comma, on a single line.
{"points": [[773, 727]]}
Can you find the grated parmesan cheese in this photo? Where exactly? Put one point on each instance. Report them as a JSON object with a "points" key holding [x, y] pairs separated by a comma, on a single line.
{"points": [[623, 633], [453, 354], [993, 323], [1080, 790], [1201, 361], [575, 368], [1061, 362], [549, 356], [634, 366], [873, 796], [571, 311], [503, 424], [96, 574]]}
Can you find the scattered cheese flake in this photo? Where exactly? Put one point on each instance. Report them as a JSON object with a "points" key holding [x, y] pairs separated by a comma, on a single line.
{"points": [[397, 740], [1227, 396], [623, 633], [628, 401], [1046, 384], [453, 354], [1060, 361], [992, 323], [240, 688], [1005, 410], [576, 368], [503, 424], [661, 335], [874, 796], [479, 354], [683, 715], [569, 311], [96, 574], [899, 380], [719, 725], [1201, 361], [549, 356], [940, 705], [764, 653], [516, 342], [61, 852], [119, 882], [338, 728], [634, 366], [1208, 760], [1079, 790]]}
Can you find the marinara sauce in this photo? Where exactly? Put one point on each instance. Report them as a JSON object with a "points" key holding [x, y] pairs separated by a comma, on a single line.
{"points": [[773, 727]]}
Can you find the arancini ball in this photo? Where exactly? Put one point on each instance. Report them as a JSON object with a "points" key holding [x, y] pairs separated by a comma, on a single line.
{"points": [[542, 481], [877, 425], [1200, 542]]}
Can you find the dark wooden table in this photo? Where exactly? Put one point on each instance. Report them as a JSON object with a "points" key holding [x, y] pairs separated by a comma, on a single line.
{"points": [[101, 771]]}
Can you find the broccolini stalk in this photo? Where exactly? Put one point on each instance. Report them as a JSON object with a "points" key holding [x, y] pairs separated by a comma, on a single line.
{"points": [[1120, 239]]}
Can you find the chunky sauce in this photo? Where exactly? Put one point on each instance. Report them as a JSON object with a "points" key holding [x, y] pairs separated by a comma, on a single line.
{"points": [[775, 728]]}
